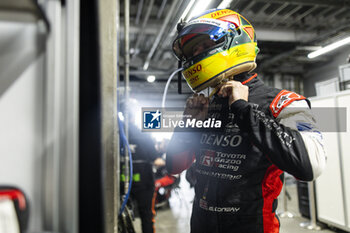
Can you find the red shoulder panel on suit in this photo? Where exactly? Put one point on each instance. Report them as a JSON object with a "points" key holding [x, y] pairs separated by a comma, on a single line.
{"points": [[282, 100]]}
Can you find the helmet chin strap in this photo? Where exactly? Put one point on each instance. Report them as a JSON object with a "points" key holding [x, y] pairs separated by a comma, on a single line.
{"points": [[216, 89]]}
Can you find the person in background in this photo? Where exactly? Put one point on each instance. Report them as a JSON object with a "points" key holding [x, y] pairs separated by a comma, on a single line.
{"points": [[264, 131], [163, 178], [144, 156]]}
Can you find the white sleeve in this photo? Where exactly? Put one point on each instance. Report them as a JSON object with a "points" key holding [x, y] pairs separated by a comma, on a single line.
{"points": [[298, 116]]}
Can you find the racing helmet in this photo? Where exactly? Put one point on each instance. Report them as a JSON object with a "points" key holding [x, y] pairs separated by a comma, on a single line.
{"points": [[214, 47]]}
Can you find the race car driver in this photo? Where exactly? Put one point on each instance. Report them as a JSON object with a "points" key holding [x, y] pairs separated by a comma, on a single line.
{"points": [[265, 131]]}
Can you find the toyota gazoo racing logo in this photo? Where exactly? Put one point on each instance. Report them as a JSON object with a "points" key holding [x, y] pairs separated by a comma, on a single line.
{"points": [[207, 159]]}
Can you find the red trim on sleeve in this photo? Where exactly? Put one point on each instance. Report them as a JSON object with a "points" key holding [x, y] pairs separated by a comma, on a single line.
{"points": [[154, 210], [14, 195], [271, 188], [282, 100]]}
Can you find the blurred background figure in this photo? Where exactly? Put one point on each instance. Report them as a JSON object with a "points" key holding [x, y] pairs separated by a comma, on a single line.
{"points": [[144, 156], [65, 65], [165, 182]]}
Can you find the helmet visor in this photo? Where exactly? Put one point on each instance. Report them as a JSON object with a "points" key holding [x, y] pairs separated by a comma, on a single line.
{"points": [[199, 37]]}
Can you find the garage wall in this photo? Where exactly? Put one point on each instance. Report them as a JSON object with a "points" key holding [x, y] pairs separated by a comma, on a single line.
{"points": [[21, 113], [334, 179], [325, 72]]}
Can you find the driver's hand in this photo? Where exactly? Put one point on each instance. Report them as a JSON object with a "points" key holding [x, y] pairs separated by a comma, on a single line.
{"points": [[234, 90]]}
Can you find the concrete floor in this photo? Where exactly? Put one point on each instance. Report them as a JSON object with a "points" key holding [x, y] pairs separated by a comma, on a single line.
{"points": [[176, 219]]}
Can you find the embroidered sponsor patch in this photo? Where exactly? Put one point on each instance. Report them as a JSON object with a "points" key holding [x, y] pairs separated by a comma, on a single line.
{"points": [[282, 100]]}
